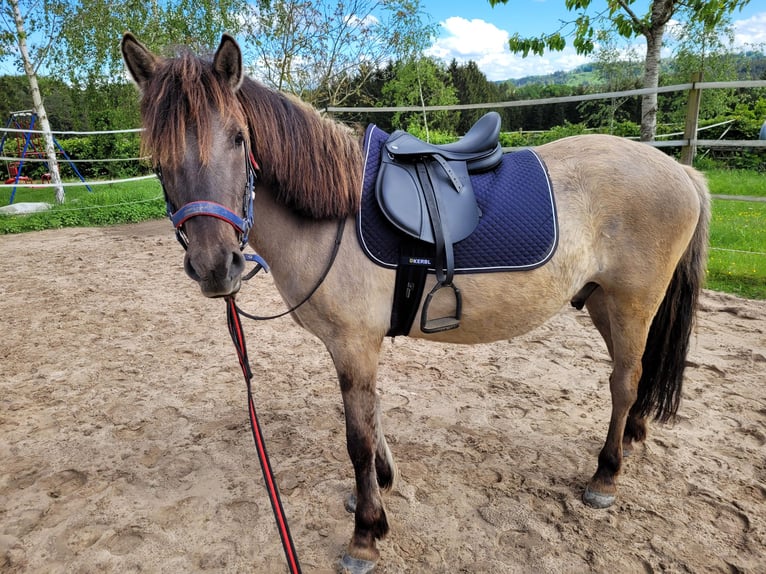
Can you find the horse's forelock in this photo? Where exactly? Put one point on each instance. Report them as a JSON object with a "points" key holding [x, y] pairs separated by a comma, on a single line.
{"points": [[184, 93]]}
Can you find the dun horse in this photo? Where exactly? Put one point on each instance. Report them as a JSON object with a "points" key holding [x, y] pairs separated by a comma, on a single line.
{"points": [[632, 245]]}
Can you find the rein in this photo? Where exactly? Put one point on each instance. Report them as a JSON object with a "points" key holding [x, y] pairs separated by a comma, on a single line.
{"points": [[261, 265], [238, 338]]}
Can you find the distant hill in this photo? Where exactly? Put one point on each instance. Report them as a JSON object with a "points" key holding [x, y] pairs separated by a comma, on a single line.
{"points": [[582, 75], [750, 66]]}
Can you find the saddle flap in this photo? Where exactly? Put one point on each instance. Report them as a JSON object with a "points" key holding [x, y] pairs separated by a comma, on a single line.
{"points": [[401, 202], [400, 197]]}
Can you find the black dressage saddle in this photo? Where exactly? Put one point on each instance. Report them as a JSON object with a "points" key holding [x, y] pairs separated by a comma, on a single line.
{"points": [[425, 191]]}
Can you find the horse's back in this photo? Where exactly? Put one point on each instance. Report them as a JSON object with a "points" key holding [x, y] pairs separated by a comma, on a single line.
{"points": [[642, 207], [609, 169]]}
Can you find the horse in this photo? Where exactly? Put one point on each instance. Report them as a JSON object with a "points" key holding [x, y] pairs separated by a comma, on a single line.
{"points": [[632, 249]]}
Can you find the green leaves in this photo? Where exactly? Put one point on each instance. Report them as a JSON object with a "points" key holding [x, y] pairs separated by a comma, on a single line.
{"points": [[320, 49], [537, 46], [621, 18]]}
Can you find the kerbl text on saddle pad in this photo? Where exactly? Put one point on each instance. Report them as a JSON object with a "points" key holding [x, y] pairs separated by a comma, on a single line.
{"points": [[518, 228]]}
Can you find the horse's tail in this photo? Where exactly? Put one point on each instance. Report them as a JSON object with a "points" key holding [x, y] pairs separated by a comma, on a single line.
{"points": [[664, 360]]}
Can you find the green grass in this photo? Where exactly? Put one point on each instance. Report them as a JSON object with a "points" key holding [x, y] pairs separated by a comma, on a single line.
{"points": [[736, 182], [737, 262], [105, 205]]}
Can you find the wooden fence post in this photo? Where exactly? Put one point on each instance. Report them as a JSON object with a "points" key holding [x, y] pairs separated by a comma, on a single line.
{"points": [[692, 115]]}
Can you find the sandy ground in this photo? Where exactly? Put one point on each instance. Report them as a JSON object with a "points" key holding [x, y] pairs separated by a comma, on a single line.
{"points": [[125, 446]]}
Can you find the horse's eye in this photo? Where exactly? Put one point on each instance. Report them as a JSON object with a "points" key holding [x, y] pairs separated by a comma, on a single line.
{"points": [[239, 139]]}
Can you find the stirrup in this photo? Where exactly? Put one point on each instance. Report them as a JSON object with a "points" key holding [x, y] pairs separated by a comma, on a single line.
{"points": [[441, 323]]}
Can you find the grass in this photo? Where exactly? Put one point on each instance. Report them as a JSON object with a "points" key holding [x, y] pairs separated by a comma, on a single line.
{"points": [[736, 182], [106, 205], [737, 262]]}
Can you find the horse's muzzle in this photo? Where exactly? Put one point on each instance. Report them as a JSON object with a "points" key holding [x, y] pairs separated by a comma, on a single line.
{"points": [[217, 276]]}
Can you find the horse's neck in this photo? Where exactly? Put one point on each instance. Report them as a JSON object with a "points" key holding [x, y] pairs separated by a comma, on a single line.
{"points": [[297, 249]]}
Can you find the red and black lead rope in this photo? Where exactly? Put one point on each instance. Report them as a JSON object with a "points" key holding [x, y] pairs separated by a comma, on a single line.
{"points": [[238, 338], [233, 318]]}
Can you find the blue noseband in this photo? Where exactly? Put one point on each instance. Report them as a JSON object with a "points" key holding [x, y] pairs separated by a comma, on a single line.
{"points": [[212, 209]]}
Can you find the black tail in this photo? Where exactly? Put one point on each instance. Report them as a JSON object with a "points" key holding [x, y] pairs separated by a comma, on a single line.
{"points": [[664, 360]]}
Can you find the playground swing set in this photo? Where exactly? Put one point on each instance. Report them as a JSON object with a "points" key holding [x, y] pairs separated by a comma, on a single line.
{"points": [[20, 126]]}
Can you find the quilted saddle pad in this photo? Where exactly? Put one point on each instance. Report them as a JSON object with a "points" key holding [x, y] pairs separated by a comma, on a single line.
{"points": [[518, 228]]}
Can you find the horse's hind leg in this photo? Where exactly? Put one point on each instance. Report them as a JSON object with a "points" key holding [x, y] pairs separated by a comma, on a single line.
{"points": [[635, 427], [624, 325]]}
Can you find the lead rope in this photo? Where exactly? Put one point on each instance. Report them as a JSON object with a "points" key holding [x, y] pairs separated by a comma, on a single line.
{"points": [[234, 323], [238, 338]]}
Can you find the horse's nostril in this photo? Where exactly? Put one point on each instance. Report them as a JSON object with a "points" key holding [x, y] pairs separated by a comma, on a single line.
{"points": [[189, 268], [217, 272], [237, 266]]}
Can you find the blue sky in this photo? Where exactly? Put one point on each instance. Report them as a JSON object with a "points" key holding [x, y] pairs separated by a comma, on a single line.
{"points": [[473, 30]]}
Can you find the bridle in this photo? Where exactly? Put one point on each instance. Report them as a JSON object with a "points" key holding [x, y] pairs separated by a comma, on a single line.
{"points": [[242, 224]]}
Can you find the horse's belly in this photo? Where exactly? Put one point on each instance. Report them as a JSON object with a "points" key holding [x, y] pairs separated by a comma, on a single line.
{"points": [[496, 306]]}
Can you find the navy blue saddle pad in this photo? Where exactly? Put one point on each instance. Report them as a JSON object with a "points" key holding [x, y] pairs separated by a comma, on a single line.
{"points": [[518, 229]]}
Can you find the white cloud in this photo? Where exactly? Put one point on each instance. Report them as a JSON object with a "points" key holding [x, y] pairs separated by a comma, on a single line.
{"points": [[750, 32], [487, 45], [470, 39]]}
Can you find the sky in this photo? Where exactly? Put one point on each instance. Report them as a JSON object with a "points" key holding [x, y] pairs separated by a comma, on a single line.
{"points": [[473, 30]]}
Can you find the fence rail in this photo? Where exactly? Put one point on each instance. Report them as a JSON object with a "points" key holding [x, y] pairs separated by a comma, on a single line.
{"points": [[556, 100], [690, 140]]}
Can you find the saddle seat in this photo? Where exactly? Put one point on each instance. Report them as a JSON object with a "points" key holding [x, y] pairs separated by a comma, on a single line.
{"points": [[479, 147], [425, 191]]}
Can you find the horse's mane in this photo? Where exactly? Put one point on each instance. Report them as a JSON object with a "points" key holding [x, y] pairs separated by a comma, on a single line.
{"points": [[313, 164], [182, 93]]}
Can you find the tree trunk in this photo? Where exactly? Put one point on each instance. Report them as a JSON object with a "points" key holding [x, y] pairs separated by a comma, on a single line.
{"points": [[662, 10], [37, 102], [651, 80]]}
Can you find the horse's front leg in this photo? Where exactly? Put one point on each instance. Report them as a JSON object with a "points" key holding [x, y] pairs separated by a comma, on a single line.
{"points": [[369, 453]]}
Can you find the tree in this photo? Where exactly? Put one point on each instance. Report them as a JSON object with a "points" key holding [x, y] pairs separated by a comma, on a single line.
{"points": [[707, 52], [620, 17], [421, 83], [79, 40], [87, 46], [12, 14], [324, 52], [472, 87], [617, 70]]}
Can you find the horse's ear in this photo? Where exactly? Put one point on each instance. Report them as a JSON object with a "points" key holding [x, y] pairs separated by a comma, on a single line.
{"points": [[141, 62], [228, 61]]}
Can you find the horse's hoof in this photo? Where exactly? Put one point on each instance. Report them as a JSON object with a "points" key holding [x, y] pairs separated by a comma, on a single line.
{"points": [[350, 503], [596, 499], [351, 565]]}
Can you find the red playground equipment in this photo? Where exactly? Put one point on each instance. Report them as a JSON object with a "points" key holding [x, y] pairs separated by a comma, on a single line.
{"points": [[15, 176], [30, 147]]}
